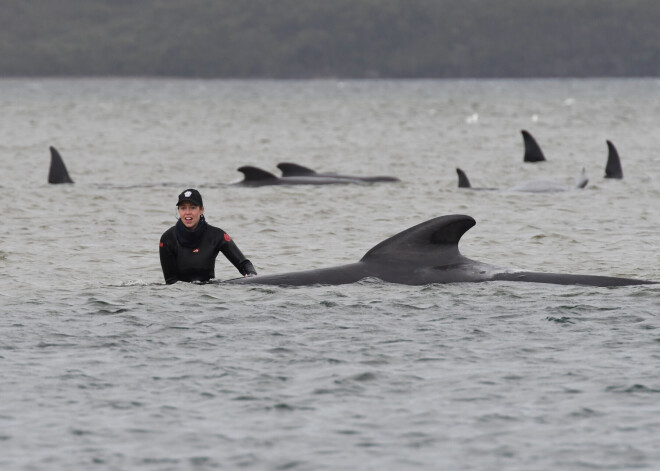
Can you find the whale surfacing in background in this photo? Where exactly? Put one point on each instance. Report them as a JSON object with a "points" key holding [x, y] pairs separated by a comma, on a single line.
{"points": [[464, 182], [57, 172], [533, 152], [533, 186], [254, 176], [613, 167], [424, 254], [296, 170]]}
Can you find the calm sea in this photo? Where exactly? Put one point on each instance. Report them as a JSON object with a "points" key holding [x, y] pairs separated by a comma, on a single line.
{"points": [[104, 367]]}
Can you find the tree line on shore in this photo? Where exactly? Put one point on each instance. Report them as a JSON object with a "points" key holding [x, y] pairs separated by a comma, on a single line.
{"points": [[338, 38]]}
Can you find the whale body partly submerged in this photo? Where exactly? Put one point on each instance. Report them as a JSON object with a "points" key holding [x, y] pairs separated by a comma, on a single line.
{"points": [[424, 254], [294, 174], [296, 170], [612, 170], [254, 176], [532, 186]]}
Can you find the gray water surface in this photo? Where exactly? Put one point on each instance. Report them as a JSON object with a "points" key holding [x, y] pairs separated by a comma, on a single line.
{"points": [[104, 367]]}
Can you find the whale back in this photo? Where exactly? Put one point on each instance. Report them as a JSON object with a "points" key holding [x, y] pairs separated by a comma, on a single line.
{"points": [[256, 175], [431, 243], [533, 152], [424, 254], [295, 170], [57, 172]]}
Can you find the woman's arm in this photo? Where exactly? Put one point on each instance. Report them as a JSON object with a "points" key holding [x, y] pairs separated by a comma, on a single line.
{"points": [[168, 261], [236, 257]]}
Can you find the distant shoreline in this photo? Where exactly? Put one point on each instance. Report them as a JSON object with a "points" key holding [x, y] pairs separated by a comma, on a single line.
{"points": [[343, 39]]}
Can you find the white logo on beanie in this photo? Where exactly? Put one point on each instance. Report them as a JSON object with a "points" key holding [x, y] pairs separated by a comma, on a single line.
{"points": [[187, 194]]}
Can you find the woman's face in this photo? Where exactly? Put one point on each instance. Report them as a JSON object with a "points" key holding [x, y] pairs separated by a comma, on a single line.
{"points": [[190, 214]]}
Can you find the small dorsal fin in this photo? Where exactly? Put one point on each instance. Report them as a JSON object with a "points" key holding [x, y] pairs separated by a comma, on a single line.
{"points": [[533, 152], [253, 174], [434, 242], [582, 179], [613, 168], [463, 181], [294, 170], [57, 172]]}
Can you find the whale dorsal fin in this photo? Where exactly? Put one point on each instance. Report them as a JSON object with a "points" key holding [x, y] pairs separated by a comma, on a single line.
{"points": [[294, 170], [254, 174], [57, 172], [533, 152], [582, 179], [613, 168], [431, 243], [463, 181]]}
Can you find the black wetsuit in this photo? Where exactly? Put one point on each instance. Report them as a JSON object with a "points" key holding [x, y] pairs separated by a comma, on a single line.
{"points": [[187, 255]]}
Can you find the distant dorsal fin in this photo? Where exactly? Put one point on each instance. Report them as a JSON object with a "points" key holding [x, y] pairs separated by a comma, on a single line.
{"points": [[434, 242], [463, 181], [613, 168], [533, 152], [57, 172], [253, 174], [582, 179], [294, 170]]}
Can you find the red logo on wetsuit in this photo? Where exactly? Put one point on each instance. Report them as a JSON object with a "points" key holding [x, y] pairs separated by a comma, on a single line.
{"points": [[227, 238], [162, 244], [195, 250]]}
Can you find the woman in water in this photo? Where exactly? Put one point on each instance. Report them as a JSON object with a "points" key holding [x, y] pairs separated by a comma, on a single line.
{"points": [[189, 248]]}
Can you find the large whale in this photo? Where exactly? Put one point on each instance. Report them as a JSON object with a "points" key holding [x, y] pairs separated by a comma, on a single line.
{"points": [[424, 254], [254, 176], [533, 186], [57, 172], [295, 170], [533, 152]]}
